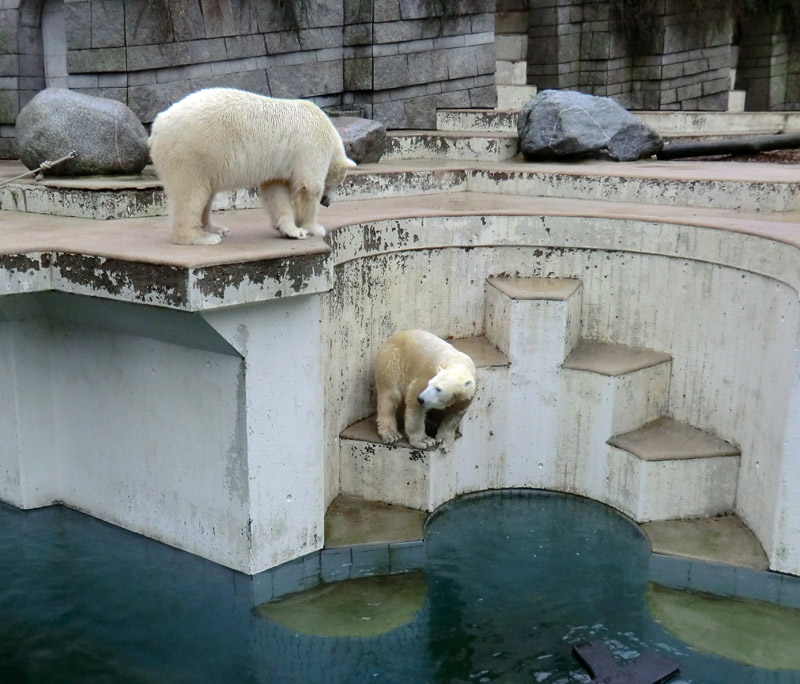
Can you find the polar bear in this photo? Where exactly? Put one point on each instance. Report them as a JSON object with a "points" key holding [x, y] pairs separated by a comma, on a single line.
{"points": [[226, 139], [421, 372]]}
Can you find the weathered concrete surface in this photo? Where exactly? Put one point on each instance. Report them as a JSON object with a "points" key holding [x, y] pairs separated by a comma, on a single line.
{"points": [[705, 284]]}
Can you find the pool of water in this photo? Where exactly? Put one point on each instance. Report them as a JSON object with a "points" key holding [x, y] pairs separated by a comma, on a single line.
{"points": [[512, 582]]}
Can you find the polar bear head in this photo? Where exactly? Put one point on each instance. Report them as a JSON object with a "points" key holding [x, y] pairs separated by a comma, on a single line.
{"points": [[336, 173], [448, 386]]}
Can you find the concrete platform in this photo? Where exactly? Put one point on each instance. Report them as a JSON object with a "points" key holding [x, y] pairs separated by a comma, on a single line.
{"points": [[665, 439], [721, 539], [612, 359]]}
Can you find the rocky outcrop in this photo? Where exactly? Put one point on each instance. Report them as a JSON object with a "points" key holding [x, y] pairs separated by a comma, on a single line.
{"points": [[106, 135], [558, 124]]}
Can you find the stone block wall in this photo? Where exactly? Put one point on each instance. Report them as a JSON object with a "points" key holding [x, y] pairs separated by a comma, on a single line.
{"points": [[405, 58], [397, 60], [578, 44], [768, 66]]}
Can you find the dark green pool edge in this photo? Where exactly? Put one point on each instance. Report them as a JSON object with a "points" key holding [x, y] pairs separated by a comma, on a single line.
{"points": [[367, 560]]}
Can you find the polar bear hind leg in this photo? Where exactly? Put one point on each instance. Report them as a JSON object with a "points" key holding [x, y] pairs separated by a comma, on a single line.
{"points": [[209, 226], [189, 206], [277, 200], [388, 403]]}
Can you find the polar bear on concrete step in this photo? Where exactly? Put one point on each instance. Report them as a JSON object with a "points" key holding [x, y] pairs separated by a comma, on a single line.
{"points": [[420, 372], [226, 139]]}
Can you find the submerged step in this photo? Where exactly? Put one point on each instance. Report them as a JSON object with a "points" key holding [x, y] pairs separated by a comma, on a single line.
{"points": [[613, 359], [351, 520], [718, 539], [666, 439]]}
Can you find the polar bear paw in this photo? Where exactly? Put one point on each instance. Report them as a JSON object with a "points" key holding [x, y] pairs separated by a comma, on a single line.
{"points": [[390, 437], [287, 228], [217, 229], [202, 239], [317, 229], [422, 442]]}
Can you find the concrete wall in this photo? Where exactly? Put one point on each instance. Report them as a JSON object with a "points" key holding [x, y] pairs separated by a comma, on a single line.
{"points": [[651, 294], [218, 431], [395, 59]]}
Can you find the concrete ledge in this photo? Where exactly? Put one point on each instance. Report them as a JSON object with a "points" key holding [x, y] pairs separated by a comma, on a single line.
{"points": [[665, 439]]}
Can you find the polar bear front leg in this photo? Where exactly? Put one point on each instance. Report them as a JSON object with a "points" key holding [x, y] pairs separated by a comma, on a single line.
{"points": [[415, 424], [187, 207], [306, 205], [277, 200], [446, 434]]}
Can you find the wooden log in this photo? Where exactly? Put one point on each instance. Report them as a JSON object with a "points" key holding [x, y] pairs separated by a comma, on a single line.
{"points": [[756, 143]]}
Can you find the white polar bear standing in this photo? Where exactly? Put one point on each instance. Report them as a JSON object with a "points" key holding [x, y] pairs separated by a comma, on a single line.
{"points": [[226, 139], [420, 371]]}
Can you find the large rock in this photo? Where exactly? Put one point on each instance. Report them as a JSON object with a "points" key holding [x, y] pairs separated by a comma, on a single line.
{"points": [[559, 124], [105, 134], [364, 139]]}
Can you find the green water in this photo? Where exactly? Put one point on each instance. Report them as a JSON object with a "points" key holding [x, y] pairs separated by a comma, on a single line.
{"points": [[509, 584]]}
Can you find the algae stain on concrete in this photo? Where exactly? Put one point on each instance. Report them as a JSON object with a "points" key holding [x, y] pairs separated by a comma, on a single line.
{"points": [[750, 632], [363, 607]]}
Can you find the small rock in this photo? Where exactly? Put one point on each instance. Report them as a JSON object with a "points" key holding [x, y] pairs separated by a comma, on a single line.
{"points": [[106, 135], [364, 139], [559, 124]]}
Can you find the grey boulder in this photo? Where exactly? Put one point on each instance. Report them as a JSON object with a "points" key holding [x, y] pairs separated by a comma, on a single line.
{"points": [[364, 139], [558, 124], [106, 135]]}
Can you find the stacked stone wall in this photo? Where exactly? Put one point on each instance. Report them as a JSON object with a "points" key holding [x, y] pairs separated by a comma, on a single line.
{"points": [[580, 45], [396, 60]]}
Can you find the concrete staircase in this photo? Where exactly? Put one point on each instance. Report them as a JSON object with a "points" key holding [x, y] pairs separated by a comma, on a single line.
{"points": [[556, 412]]}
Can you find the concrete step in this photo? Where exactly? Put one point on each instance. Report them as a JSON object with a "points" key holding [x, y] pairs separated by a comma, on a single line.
{"points": [[477, 120], [739, 187], [701, 124], [514, 96], [667, 470], [670, 125], [613, 360], [402, 475], [537, 322], [510, 72], [456, 145], [609, 389]]}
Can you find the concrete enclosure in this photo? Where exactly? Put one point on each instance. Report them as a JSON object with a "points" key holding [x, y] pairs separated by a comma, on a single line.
{"points": [[207, 409]]}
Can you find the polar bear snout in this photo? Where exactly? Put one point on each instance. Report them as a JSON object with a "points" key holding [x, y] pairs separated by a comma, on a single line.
{"points": [[432, 397], [325, 201]]}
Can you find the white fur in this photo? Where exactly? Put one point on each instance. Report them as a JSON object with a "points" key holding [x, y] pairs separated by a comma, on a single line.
{"points": [[225, 139], [419, 371]]}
